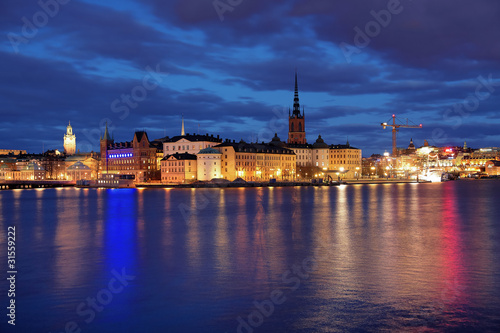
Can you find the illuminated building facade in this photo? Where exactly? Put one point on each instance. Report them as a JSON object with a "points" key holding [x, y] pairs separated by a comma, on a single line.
{"points": [[303, 154], [189, 143], [320, 154], [91, 160], [33, 171], [6, 172], [346, 160], [179, 168], [69, 141], [79, 171], [492, 168], [139, 157], [257, 161], [208, 164]]}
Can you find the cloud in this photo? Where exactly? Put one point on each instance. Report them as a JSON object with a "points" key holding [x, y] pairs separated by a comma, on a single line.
{"points": [[230, 76]]}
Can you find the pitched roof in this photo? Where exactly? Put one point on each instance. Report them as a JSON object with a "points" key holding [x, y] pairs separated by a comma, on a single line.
{"points": [[256, 147], [180, 156], [77, 166], [192, 138], [140, 135]]}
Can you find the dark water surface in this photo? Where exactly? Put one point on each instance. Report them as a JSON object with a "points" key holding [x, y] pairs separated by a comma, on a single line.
{"points": [[364, 258]]}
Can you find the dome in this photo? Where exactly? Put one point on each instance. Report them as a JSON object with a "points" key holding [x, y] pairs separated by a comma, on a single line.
{"points": [[411, 145], [276, 141], [209, 150], [320, 143]]}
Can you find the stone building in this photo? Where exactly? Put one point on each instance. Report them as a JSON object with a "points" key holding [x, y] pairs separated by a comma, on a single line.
{"points": [[179, 168], [33, 171], [208, 164], [79, 171], [139, 157]]}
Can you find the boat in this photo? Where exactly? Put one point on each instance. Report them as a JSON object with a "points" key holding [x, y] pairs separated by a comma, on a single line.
{"points": [[109, 181], [431, 175]]}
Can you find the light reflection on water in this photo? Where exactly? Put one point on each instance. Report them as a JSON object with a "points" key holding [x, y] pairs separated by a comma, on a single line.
{"points": [[389, 257]]}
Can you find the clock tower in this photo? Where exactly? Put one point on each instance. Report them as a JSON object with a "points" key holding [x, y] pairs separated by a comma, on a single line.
{"points": [[69, 141]]}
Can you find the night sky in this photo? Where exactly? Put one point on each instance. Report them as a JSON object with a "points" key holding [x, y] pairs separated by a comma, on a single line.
{"points": [[229, 68]]}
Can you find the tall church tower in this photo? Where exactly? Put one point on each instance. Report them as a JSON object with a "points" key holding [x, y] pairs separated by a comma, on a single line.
{"points": [[106, 140], [69, 141], [296, 122]]}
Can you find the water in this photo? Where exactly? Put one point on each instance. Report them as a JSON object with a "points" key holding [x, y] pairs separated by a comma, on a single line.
{"points": [[363, 258]]}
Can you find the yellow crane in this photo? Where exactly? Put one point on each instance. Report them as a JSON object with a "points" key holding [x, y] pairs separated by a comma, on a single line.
{"points": [[395, 129]]}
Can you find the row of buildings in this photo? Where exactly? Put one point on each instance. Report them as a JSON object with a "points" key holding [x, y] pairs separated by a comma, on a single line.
{"points": [[459, 160], [193, 157]]}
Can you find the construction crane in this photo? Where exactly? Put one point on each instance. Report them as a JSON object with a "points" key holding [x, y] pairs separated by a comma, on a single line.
{"points": [[395, 129]]}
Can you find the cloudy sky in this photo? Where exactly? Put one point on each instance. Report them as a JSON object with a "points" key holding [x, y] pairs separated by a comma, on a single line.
{"points": [[228, 66]]}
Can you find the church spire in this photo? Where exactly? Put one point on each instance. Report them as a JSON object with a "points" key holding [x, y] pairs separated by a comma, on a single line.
{"points": [[182, 129], [106, 133], [296, 104]]}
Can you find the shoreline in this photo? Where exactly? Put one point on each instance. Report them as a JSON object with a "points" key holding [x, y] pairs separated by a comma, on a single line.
{"points": [[58, 184], [277, 184]]}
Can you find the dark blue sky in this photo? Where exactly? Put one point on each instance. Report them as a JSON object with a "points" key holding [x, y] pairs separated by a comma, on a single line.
{"points": [[230, 70]]}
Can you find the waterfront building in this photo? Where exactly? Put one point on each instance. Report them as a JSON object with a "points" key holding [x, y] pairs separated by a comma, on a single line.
{"points": [[179, 168], [492, 168], [238, 160], [91, 160], [79, 171], [139, 157], [22, 162], [9, 161], [345, 160], [341, 160], [303, 154], [475, 162], [53, 164], [273, 162], [6, 172], [257, 162], [208, 164], [69, 141], [188, 143], [320, 154], [33, 171]]}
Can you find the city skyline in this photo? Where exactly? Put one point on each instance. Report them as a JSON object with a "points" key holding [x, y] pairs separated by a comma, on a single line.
{"points": [[230, 71]]}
